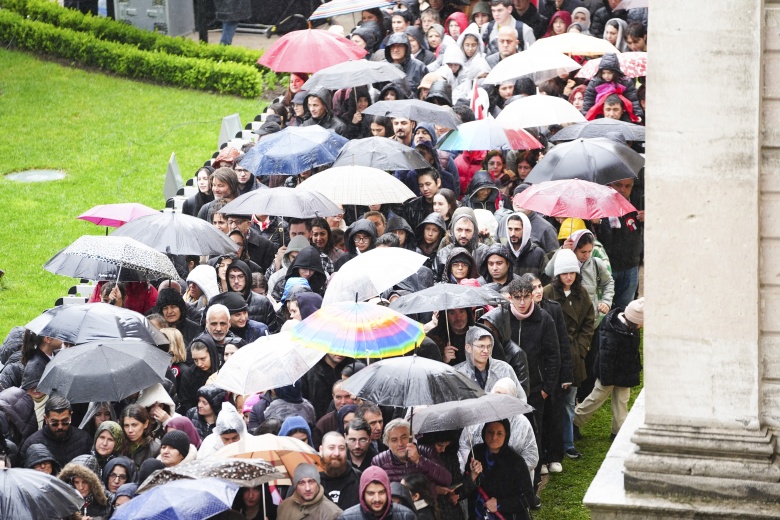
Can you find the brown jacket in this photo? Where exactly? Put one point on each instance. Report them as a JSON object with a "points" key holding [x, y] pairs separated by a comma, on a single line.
{"points": [[319, 508], [580, 323]]}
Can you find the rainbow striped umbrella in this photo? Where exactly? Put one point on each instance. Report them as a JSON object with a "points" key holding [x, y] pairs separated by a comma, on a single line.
{"points": [[358, 330], [339, 7]]}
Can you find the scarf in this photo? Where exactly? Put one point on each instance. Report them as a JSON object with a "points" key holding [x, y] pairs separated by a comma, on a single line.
{"points": [[519, 316]]}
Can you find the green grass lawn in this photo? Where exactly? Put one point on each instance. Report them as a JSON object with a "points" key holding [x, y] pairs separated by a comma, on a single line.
{"points": [[113, 138]]}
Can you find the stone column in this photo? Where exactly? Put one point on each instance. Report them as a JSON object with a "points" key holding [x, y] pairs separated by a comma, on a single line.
{"points": [[712, 264]]}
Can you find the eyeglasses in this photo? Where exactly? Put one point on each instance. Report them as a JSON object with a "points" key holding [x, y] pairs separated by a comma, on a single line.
{"points": [[485, 348], [54, 424], [361, 240], [236, 222], [521, 297], [114, 476], [362, 442]]}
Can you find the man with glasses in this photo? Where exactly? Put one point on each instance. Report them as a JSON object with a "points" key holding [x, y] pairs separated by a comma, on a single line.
{"points": [[361, 452], [63, 441], [359, 238], [479, 366]]}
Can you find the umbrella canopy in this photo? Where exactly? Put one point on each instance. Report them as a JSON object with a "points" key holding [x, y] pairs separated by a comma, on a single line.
{"points": [[294, 150], [267, 363], [632, 4], [104, 371], [488, 134], [539, 110], [354, 73], [575, 44], [381, 153], [600, 128], [283, 202], [115, 215], [358, 330], [339, 7], [541, 65], [360, 185], [122, 252], [369, 274], [599, 160], [308, 51], [181, 500], [177, 233], [459, 414], [76, 324], [574, 198], [243, 473], [33, 495], [411, 381], [445, 296], [633, 65], [65, 264], [283, 453], [416, 110]]}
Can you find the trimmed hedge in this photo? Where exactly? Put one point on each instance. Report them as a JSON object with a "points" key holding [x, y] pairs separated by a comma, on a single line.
{"points": [[127, 60], [120, 32]]}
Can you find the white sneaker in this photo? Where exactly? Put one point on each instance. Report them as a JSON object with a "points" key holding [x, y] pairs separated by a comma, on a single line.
{"points": [[555, 467], [544, 469]]}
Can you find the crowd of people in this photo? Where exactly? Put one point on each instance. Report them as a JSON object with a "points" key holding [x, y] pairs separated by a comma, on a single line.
{"points": [[564, 339]]}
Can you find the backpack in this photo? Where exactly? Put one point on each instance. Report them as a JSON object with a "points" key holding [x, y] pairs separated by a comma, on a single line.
{"points": [[518, 25]]}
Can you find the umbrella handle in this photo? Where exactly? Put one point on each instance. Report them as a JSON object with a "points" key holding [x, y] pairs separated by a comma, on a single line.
{"points": [[265, 515]]}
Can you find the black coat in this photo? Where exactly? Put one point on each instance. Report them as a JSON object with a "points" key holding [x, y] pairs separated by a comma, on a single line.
{"points": [[555, 310], [618, 362], [539, 340], [317, 386], [532, 259], [623, 244], [344, 491], [532, 18], [76, 442]]}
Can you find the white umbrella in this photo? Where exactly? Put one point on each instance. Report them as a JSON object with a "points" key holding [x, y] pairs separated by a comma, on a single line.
{"points": [[359, 185], [632, 4], [542, 64], [267, 363], [575, 44], [370, 273], [539, 110]]}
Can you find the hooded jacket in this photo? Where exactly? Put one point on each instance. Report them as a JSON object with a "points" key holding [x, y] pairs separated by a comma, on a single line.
{"points": [[578, 320], [309, 258], [276, 278], [216, 398], [477, 64], [441, 91], [605, 13], [126, 463], [205, 277], [437, 220], [480, 180], [413, 68], [19, 408], [460, 254], [484, 273], [400, 224], [260, 308], [592, 98], [38, 454], [117, 434], [618, 362], [99, 506], [308, 304], [362, 511], [228, 419], [188, 328], [292, 423], [359, 226], [328, 121], [424, 54], [477, 250], [468, 163], [530, 258], [192, 378], [367, 33]]}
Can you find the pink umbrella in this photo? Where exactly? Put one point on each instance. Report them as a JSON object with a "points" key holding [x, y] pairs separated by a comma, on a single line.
{"points": [[574, 198], [633, 65], [115, 215], [309, 50]]}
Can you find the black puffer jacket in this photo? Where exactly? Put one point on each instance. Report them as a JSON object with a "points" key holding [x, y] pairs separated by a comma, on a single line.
{"points": [[19, 409], [400, 224], [328, 121], [539, 340], [605, 13], [76, 442], [309, 258], [413, 68], [13, 343], [480, 180], [359, 226], [484, 274], [215, 397], [618, 362], [260, 308]]}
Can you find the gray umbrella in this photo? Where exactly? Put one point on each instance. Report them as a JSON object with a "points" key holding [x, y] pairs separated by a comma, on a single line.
{"points": [[382, 153], [416, 110], [444, 296], [283, 202], [242, 472], [33, 495], [66, 264], [177, 233], [600, 128], [76, 324], [459, 414], [598, 160], [104, 371], [353, 73]]}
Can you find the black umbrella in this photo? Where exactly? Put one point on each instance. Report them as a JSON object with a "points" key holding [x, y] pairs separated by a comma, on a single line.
{"points": [[411, 381], [177, 233], [382, 153], [76, 324], [283, 202], [598, 160], [416, 110], [600, 128], [459, 414], [104, 371], [34, 495], [242, 472], [443, 296]]}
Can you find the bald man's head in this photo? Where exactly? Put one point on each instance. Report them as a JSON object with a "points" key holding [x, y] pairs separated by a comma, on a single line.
{"points": [[507, 41]]}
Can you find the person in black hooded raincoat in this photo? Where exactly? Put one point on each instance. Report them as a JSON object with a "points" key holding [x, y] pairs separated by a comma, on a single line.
{"points": [[399, 51], [399, 226], [260, 307], [173, 300], [308, 265], [318, 101], [423, 53], [426, 246], [482, 193], [363, 226]]}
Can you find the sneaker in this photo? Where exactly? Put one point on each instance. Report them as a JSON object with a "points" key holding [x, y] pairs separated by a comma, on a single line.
{"points": [[537, 503], [577, 434], [572, 453], [555, 467], [543, 470]]}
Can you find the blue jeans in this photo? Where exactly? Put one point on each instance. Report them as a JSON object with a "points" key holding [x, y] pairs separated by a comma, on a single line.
{"points": [[228, 31], [626, 283], [569, 403]]}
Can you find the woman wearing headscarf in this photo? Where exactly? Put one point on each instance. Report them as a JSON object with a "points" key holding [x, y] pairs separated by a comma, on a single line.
{"points": [[614, 33], [185, 425], [170, 304], [97, 413], [109, 442], [559, 22], [581, 16], [116, 473]]}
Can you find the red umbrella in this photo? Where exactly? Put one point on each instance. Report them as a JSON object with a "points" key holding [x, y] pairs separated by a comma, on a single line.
{"points": [[633, 65], [574, 198], [308, 51], [115, 215]]}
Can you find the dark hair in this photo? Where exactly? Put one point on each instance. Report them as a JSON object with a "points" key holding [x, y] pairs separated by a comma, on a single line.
{"points": [[359, 424], [490, 155], [259, 281], [280, 110], [419, 483], [105, 291], [367, 407], [428, 171], [505, 3], [383, 121], [139, 413], [294, 221], [320, 222], [30, 342], [525, 85], [407, 15], [515, 218], [215, 208], [576, 285], [388, 239], [452, 201], [464, 112], [585, 239], [522, 285], [228, 176], [271, 425], [530, 156], [57, 404], [612, 23], [636, 30], [551, 88], [641, 92], [613, 99]]}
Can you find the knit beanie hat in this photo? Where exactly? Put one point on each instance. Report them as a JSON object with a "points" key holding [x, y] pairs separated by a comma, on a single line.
{"points": [[566, 262], [635, 312], [177, 439], [232, 300], [306, 471]]}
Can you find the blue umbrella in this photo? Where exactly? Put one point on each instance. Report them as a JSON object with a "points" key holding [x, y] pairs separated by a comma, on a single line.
{"points": [[181, 500], [293, 150]]}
